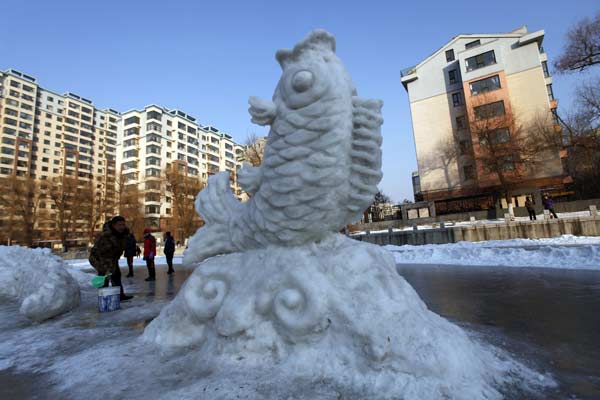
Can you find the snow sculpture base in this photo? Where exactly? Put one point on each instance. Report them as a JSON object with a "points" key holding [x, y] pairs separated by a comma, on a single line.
{"points": [[335, 311]]}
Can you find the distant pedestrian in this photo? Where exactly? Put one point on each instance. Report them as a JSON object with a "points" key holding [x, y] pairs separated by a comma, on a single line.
{"points": [[530, 209], [149, 254], [131, 250], [169, 251], [549, 205], [107, 250]]}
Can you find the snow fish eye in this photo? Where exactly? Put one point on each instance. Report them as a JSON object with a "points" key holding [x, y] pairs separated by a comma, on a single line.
{"points": [[302, 80]]}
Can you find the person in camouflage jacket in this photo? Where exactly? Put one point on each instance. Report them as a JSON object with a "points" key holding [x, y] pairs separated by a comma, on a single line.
{"points": [[107, 250]]}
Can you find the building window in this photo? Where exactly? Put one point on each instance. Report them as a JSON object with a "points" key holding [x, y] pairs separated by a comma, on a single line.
{"points": [[545, 68], [485, 85], [550, 92], [469, 172], [509, 164], [152, 209], [472, 44], [153, 126], [456, 99], [153, 115], [449, 55], [452, 76], [461, 122], [132, 120], [480, 60], [490, 110], [496, 136]]}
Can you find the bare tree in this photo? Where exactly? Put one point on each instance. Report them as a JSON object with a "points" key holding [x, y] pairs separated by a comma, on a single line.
{"points": [[22, 202], [183, 189], [500, 146], [444, 155], [582, 49], [66, 193], [255, 148], [130, 204]]}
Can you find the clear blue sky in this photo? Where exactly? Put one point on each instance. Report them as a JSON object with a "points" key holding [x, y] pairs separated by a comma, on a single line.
{"points": [[207, 57]]}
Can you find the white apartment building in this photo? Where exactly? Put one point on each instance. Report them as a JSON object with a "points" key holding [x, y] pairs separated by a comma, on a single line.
{"points": [[155, 138]]}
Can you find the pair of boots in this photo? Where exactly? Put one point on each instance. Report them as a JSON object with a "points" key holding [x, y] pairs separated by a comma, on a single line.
{"points": [[151, 274]]}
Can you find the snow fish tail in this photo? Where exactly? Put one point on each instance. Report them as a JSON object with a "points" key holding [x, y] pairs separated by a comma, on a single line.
{"points": [[217, 206]]}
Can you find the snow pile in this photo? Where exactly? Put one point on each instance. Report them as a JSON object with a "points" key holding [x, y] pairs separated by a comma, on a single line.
{"points": [[37, 279], [333, 315], [568, 251]]}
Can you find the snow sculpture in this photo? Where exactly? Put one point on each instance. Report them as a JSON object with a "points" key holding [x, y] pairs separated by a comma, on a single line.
{"points": [[38, 280], [322, 162], [294, 299]]}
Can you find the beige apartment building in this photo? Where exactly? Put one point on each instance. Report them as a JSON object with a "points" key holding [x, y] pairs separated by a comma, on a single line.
{"points": [[472, 79], [156, 138], [46, 135]]}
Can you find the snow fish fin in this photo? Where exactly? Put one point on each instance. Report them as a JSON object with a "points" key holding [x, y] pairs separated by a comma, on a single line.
{"points": [[217, 206], [365, 171], [249, 178]]}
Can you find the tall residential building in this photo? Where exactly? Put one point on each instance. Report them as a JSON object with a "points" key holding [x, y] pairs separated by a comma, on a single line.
{"points": [[156, 138], [45, 135], [473, 78]]}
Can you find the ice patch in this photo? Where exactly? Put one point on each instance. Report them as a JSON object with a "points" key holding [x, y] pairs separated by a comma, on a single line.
{"points": [[38, 280]]}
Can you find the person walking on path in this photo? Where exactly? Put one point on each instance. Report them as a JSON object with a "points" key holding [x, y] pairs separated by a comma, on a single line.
{"points": [[107, 250], [149, 254], [131, 250], [169, 251], [530, 209], [549, 205]]}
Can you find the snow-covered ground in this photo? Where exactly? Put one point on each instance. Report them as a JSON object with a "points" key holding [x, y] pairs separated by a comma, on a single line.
{"points": [[567, 251]]}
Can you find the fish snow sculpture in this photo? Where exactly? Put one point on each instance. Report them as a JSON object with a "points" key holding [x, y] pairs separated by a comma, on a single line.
{"points": [[321, 164]]}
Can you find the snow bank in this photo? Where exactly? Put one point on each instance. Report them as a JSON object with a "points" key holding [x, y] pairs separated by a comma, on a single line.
{"points": [[567, 251], [333, 315], [37, 279]]}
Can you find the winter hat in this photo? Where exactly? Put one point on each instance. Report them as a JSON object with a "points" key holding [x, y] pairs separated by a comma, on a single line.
{"points": [[147, 230], [116, 219]]}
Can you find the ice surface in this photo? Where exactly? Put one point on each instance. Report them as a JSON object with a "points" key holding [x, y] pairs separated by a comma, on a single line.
{"points": [[566, 252], [38, 280]]}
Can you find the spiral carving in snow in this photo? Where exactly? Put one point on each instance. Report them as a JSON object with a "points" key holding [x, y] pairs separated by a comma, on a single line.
{"points": [[299, 309], [204, 296]]}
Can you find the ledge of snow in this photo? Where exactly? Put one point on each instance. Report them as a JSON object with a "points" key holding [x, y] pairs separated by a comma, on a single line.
{"points": [[566, 252]]}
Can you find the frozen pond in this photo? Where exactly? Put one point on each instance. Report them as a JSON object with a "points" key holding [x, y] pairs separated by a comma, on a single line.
{"points": [[549, 319]]}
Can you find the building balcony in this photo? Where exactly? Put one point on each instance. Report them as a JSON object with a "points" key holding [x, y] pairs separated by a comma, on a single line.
{"points": [[408, 75]]}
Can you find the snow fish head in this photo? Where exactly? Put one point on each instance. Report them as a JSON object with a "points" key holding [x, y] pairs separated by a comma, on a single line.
{"points": [[312, 72]]}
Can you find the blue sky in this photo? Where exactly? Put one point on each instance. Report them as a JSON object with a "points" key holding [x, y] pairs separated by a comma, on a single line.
{"points": [[206, 58]]}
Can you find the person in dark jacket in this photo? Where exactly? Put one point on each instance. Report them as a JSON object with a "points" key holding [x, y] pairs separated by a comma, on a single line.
{"points": [[107, 250], [530, 209], [149, 254], [131, 250], [169, 251], [549, 205]]}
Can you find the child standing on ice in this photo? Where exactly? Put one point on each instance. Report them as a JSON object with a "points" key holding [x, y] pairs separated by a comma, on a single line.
{"points": [[149, 254]]}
